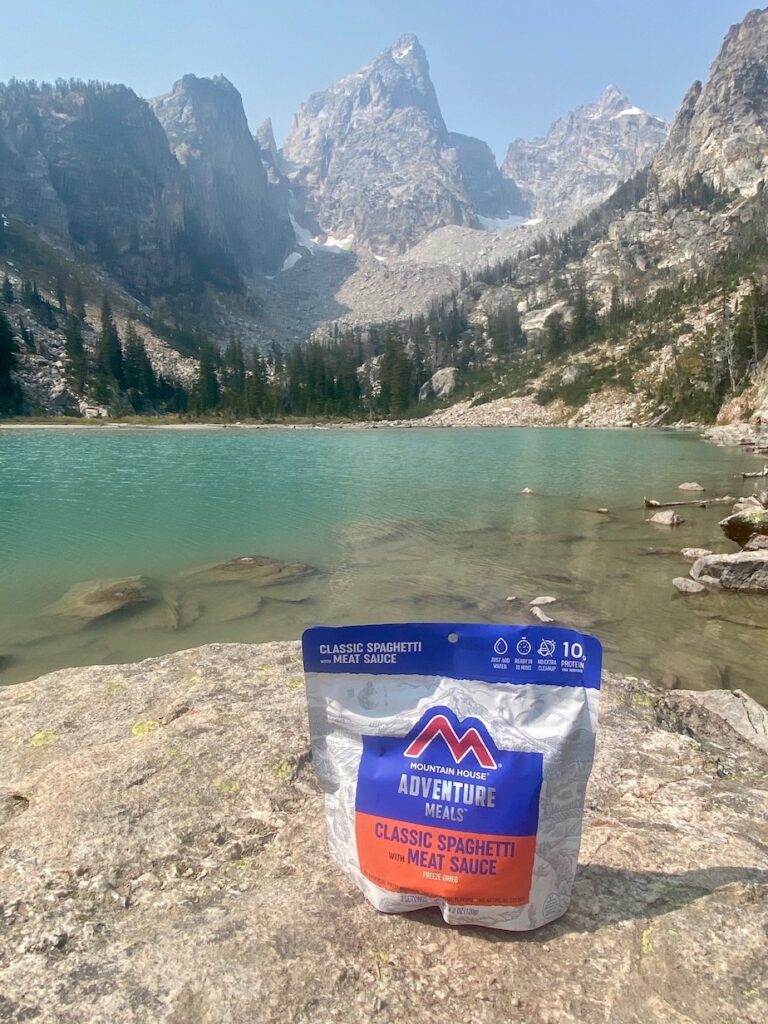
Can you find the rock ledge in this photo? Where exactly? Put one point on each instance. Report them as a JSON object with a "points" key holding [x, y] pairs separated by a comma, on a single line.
{"points": [[162, 859]]}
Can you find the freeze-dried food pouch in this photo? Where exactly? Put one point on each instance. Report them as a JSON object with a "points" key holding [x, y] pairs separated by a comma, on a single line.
{"points": [[454, 759]]}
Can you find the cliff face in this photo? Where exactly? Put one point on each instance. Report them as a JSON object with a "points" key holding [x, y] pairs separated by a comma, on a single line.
{"points": [[371, 160], [721, 129], [227, 182], [584, 156], [88, 166]]}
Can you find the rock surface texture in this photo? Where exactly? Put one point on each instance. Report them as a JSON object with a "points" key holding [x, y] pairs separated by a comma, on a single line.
{"points": [[584, 156], [162, 859], [747, 571]]}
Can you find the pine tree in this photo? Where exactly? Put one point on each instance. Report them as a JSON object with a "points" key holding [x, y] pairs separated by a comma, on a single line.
{"points": [[77, 362], [110, 349], [397, 378], [206, 393], [78, 302], [555, 336], [10, 393], [140, 380], [584, 320], [233, 374], [257, 397], [61, 295], [26, 335], [110, 372], [7, 291]]}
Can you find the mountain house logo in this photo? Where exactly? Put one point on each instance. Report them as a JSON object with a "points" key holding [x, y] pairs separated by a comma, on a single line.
{"points": [[470, 742]]}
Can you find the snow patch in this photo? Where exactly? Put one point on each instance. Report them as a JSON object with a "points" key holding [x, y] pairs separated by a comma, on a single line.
{"points": [[333, 244], [403, 51], [303, 237], [290, 261], [501, 223], [510, 221], [628, 112]]}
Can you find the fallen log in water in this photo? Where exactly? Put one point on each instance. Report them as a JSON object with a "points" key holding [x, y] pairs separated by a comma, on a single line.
{"points": [[762, 472], [701, 502]]}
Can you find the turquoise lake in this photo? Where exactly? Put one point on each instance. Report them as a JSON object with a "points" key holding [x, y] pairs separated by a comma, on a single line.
{"points": [[397, 524]]}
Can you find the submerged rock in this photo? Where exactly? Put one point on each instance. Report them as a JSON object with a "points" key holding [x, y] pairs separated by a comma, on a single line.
{"points": [[94, 599], [541, 615], [687, 586], [745, 570], [165, 860], [539, 602], [742, 526], [667, 517], [258, 569]]}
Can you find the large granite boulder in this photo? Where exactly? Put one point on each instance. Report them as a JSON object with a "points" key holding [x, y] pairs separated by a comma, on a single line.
{"points": [[747, 523], [441, 384], [163, 860], [745, 570]]}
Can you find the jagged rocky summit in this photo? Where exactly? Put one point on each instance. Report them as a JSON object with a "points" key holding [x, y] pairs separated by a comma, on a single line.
{"points": [[370, 158], [163, 858], [373, 164], [585, 155], [721, 129]]}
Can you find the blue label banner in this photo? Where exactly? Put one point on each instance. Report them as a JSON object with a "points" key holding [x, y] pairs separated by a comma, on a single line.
{"points": [[544, 655]]}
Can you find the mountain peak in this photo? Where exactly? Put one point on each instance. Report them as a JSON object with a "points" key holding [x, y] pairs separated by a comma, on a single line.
{"points": [[612, 98], [584, 155], [406, 47], [371, 159], [265, 136], [191, 83]]}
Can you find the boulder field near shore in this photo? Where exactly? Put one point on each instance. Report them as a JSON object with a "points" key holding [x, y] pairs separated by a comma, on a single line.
{"points": [[163, 861]]}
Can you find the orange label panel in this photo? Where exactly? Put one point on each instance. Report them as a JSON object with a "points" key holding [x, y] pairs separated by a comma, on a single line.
{"points": [[459, 867]]}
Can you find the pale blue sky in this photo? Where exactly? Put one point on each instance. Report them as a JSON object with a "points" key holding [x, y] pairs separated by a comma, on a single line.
{"points": [[501, 69]]}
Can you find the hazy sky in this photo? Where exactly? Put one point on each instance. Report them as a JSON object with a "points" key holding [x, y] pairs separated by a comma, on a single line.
{"points": [[501, 69]]}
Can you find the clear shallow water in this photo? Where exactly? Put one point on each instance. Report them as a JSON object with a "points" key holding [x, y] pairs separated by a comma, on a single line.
{"points": [[399, 524]]}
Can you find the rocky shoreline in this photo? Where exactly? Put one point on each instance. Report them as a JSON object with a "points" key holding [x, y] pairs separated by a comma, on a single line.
{"points": [[503, 412], [162, 858]]}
